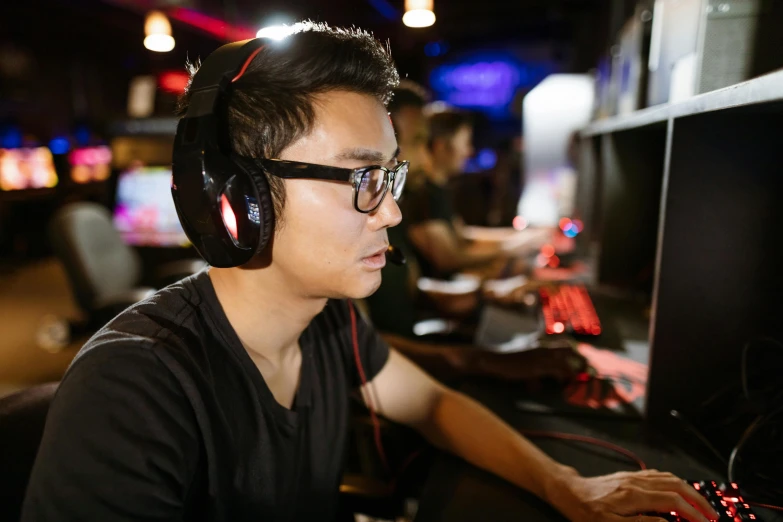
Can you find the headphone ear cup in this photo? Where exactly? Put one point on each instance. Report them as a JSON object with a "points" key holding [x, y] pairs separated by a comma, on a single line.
{"points": [[260, 211]]}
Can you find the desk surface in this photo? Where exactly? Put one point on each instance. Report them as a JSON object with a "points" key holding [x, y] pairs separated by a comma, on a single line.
{"points": [[456, 491]]}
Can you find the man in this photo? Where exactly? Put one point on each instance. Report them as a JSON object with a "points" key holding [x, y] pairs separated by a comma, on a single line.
{"points": [[225, 396], [442, 244]]}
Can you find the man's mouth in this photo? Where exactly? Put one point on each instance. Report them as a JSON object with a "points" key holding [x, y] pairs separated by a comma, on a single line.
{"points": [[377, 259]]}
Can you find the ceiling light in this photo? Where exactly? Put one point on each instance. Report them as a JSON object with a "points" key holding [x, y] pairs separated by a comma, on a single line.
{"points": [[418, 13], [157, 30]]}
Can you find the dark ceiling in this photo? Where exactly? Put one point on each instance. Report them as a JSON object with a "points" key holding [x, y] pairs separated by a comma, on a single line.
{"points": [[87, 50], [578, 29], [575, 24]]}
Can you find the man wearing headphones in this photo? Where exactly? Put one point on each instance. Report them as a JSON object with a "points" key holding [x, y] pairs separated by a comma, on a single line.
{"points": [[225, 396]]}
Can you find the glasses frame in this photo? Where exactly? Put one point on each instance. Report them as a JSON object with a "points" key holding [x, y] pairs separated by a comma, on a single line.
{"points": [[300, 170]]}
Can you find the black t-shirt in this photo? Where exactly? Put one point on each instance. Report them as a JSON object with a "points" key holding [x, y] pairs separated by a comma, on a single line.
{"points": [[429, 202], [164, 416]]}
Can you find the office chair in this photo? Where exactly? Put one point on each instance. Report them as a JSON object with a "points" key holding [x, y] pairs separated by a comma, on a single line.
{"points": [[22, 419], [104, 272]]}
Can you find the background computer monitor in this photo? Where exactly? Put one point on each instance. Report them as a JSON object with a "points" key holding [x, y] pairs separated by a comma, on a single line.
{"points": [[90, 164], [27, 168], [144, 211]]}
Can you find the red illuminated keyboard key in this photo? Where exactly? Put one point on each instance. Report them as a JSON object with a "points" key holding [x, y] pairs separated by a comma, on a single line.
{"points": [[569, 309]]}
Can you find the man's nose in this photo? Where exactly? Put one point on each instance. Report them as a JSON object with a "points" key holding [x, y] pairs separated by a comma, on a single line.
{"points": [[389, 213]]}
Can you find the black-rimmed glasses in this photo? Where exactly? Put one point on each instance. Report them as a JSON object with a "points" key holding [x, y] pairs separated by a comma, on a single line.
{"points": [[370, 184]]}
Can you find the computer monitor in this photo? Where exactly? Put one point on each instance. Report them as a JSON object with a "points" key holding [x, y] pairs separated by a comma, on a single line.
{"points": [[27, 168], [90, 164], [144, 211]]}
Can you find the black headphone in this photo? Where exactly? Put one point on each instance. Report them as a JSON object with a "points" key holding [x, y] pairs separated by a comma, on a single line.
{"points": [[222, 198]]}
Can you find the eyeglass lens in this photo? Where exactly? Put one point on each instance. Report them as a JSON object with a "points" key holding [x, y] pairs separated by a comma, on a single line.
{"points": [[373, 184]]}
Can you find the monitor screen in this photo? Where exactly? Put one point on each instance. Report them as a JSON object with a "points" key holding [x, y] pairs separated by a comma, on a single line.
{"points": [[27, 168], [144, 212], [90, 164]]}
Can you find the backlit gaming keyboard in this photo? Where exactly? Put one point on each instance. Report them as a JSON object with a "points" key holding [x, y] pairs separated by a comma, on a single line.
{"points": [[568, 309], [725, 498]]}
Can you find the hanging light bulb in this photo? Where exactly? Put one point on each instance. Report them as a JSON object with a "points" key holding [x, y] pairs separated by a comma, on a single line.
{"points": [[418, 13], [157, 30]]}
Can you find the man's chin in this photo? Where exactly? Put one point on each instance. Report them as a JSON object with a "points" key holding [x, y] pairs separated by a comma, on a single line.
{"points": [[364, 288]]}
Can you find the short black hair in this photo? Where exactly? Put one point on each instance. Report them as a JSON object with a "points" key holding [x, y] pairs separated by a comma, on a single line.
{"points": [[445, 124], [407, 94], [271, 105]]}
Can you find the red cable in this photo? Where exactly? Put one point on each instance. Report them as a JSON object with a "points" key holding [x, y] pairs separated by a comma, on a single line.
{"points": [[247, 63], [407, 462], [767, 506], [375, 423], [589, 440]]}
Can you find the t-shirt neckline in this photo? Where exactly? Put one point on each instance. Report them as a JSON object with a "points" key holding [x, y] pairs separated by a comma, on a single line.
{"points": [[302, 399]]}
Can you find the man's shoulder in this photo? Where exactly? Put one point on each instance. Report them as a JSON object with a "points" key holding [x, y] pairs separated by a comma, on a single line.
{"points": [[164, 324]]}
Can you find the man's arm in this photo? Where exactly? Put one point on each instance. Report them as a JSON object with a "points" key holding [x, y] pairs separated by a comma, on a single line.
{"points": [[453, 361], [439, 359], [456, 423], [439, 244]]}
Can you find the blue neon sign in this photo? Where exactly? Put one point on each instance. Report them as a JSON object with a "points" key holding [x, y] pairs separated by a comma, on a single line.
{"points": [[487, 82]]}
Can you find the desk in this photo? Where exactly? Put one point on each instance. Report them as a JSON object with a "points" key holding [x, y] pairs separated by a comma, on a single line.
{"points": [[456, 491]]}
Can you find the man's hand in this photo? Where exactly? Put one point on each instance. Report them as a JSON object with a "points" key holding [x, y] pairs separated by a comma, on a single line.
{"points": [[528, 241], [562, 364], [625, 496]]}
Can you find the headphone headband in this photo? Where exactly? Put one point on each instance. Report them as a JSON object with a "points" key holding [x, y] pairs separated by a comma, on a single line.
{"points": [[219, 70]]}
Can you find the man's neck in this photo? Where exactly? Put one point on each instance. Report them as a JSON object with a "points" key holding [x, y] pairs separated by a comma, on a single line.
{"points": [[267, 316]]}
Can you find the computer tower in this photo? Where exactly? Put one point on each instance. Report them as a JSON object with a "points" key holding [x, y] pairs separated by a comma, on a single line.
{"points": [[701, 45], [742, 39]]}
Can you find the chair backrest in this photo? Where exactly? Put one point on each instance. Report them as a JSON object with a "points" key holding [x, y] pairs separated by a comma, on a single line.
{"points": [[22, 420], [98, 263]]}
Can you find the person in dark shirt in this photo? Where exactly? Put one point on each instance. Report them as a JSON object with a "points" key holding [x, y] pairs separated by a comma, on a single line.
{"points": [[437, 234], [225, 397]]}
